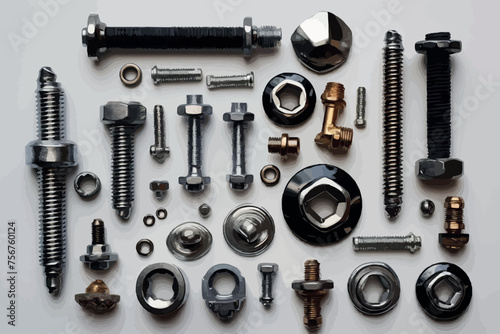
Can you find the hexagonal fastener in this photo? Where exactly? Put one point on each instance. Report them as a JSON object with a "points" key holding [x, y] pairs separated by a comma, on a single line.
{"points": [[194, 107], [99, 257], [312, 285], [439, 169], [93, 36], [268, 268], [194, 183], [239, 182], [159, 188], [439, 41], [123, 113], [51, 154]]}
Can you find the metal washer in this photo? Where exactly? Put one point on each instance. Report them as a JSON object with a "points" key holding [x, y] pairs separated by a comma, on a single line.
{"points": [[189, 241], [249, 230]]}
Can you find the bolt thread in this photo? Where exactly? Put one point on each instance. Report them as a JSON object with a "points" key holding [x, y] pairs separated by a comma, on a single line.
{"points": [[50, 106], [334, 91], [378, 243], [98, 232], [239, 157], [267, 287], [361, 103], [175, 74], [230, 81], [312, 310], [194, 142], [274, 145], [346, 135], [454, 214], [159, 126], [393, 119], [268, 36], [311, 270]]}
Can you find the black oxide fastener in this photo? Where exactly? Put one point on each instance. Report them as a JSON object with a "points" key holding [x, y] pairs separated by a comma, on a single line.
{"points": [[98, 38]]}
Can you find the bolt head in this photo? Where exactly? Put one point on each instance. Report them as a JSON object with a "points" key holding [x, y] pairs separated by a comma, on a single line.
{"points": [[445, 45], [194, 183], [51, 154], [453, 241], [93, 36], [159, 153], [238, 116], [123, 113], [360, 123], [268, 268], [194, 107], [439, 169], [159, 185], [239, 182]]}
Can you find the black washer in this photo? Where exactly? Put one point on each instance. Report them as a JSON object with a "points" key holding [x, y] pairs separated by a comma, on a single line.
{"points": [[279, 117], [295, 215]]}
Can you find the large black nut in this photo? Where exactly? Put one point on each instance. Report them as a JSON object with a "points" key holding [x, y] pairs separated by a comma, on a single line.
{"points": [[439, 169], [123, 113], [451, 46], [93, 36], [51, 154]]}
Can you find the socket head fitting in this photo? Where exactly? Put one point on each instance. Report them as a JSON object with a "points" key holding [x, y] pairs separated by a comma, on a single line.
{"points": [[159, 188], [194, 183], [93, 37], [123, 113], [239, 182], [439, 169], [51, 154], [270, 268], [194, 107], [438, 41]]}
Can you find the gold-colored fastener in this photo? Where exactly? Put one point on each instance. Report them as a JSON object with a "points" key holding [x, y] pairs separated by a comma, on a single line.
{"points": [[454, 239], [97, 297], [284, 145]]}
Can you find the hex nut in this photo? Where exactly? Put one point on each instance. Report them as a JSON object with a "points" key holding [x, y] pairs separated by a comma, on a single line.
{"points": [[194, 107], [123, 113], [50, 154], [439, 169], [93, 36], [159, 188]]}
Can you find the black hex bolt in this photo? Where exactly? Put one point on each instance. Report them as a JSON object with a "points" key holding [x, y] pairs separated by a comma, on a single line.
{"points": [[98, 38], [439, 166]]}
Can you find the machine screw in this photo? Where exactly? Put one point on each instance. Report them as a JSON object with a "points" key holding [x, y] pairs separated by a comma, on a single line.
{"points": [[98, 38], [439, 166], [159, 151], [230, 81], [410, 242], [360, 121], [239, 116], [194, 110], [175, 74], [337, 139], [393, 124], [284, 145], [122, 120], [99, 255], [52, 156], [268, 271], [454, 239]]}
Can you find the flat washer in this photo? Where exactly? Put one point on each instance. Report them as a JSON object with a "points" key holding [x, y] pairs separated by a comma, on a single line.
{"points": [[161, 213], [329, 182], [142, 242], [149, 220], [81, 178], [130, 67], [277, 175]]}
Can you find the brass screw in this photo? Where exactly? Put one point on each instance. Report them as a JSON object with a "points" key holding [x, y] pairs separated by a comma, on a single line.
{"points": [[337, 139], [454, 239], [284, 145], [97, 298], [312, 290]]}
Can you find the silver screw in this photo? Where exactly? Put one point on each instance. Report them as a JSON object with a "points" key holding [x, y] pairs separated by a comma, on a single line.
{"points": [[268, 271], [159, 151], [160, 75], [360, 121], [410, 242], [230, 81]]}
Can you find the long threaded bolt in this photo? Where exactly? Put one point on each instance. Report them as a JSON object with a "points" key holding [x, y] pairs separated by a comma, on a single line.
{"points": [[454, 239], [360, 121], [159, 151], [439, 166], [98, 38], [239, 116], [393, 124], [122, 120], [268, 271], [52, 155], [230, 81], [409, 242], [175, 74]]}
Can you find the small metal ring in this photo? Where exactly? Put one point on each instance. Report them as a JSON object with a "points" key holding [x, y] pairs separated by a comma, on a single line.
{"points": [[149, 220], [131, 68], [81, 178], [143, 242], [161, 213], [270, 168]]}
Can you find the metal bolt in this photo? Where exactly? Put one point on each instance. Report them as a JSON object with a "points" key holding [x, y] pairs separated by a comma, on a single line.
{"points": [[99, 255], [52, 156], [194, 110], [175, 74], [284, 145], [454, 239], [239, 116], [410, 242], [122, 120], [360, 121], [159, 151], [98, 38], [230, 81], [205, 210], [159, 188], [268, 271]]}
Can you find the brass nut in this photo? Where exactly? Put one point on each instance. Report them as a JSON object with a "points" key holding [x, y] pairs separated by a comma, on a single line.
{"points": [[284, 145], [97, 298], [454, 239]]}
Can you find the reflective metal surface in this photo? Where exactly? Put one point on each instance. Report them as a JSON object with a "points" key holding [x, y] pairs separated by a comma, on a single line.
{"points": [[189, 241]]}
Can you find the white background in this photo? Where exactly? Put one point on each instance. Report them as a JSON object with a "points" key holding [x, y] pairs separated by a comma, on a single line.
{"points": [[55, 41]]}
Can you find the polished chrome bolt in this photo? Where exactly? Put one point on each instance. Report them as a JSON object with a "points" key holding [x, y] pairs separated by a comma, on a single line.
{"points": [[360, 121], [175, 74], [268, 271], [410, 242], [230, 81], [159, 151]]}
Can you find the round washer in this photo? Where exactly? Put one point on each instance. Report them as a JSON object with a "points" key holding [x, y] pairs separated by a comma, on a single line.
{"points": [[388, 280], [148, 243], [81, 179], [161, 213], [131, 68], [149, 220], [306, 97], [455, 279], [270, 168], [326, 182], [189, 241]]}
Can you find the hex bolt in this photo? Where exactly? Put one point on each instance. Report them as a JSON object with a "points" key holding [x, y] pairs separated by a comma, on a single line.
{"points": [[230, 81], [194, 110], [336, 139], [312, 290], [160, 75], [99, 255], [438, 165], [52, 156], [409, 242], [268, 271], [360, 121], [159, 151], [239, 116], [454, 239], [284, 145], [122, 119], [98, 38]]}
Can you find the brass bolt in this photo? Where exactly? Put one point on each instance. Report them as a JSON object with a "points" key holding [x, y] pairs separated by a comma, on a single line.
{"points": [[284, 145], [97, 297], [454, 239], [337, 139], [312, 290]]}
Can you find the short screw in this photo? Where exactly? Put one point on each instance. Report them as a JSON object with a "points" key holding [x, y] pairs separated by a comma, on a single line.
{"points": [[454, 239], [99, 255], [194, 110], [175, 74], [159, 151], [410, 243], [284, 145], [361, 108], [230, 81], [268, 271], [98, 38]]}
